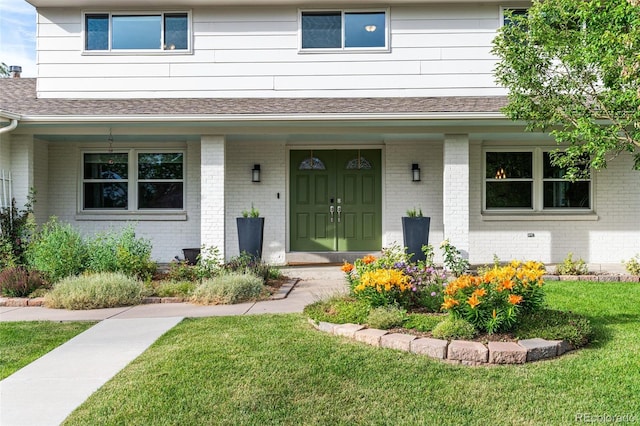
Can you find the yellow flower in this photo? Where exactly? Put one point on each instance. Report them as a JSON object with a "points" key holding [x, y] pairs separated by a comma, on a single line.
{"points": [[514, 299], [473, 301], [449, 303]]}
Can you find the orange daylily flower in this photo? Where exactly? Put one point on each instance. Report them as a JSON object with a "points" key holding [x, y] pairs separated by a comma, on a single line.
{"points": [[514, 299], [368, 259], [473, 301], [347, 267], [449, 303], [505, 285], [479, 292], [494, 314]]}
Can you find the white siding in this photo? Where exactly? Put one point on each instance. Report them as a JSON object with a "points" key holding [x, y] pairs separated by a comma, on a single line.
{"points": [[436, 50]]}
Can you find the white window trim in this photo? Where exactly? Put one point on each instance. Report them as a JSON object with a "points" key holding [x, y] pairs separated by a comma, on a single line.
{"points": [[503, 8], [538, 180], [125, 52], [343, 49], [132, 212]]}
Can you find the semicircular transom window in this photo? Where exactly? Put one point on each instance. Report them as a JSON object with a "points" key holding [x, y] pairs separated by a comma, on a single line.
{"points": [[312, 163], [359, 163]]}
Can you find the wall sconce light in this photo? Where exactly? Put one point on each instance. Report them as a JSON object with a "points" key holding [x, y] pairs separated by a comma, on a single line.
{"points": [[415, 172], [255, 173]]}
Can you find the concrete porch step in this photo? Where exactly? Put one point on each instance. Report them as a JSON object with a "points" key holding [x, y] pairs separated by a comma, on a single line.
{"points": [[328, 257]]}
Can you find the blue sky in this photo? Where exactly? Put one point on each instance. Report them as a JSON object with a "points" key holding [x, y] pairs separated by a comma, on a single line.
{"points": [[18, 35]]}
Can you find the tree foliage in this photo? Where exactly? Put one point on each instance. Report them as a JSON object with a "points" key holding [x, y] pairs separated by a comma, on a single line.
{"points": [[572, 67], [4, 70]]}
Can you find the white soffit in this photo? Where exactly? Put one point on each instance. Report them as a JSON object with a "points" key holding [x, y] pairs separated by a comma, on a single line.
{"points": [[199, 3]]}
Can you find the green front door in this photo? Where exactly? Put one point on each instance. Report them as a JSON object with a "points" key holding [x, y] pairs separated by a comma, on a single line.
{"points": [[336, 200]]}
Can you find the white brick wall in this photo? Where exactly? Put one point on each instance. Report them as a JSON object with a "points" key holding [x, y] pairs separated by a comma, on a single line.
{"points": [[212, 198], [613, 237], [41, 178], [168, 237], [456, 190], [401, 194], [241, 193]]}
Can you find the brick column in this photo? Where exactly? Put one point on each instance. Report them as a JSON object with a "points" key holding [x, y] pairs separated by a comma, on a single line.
{"points": [[456, 191], [212, 195], [21, 167]]}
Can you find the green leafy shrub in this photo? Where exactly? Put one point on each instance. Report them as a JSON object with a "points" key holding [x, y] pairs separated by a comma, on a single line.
{"points": [[633, 265], [339, 310], [101, 290], [555, 325], [121, 252], [454, 328], [182, 271], [57, 251], [572, 267], [210, 262], [16, 229], [228, 288], [18, 281], [386, 317], [453, 259], [174, 288], [245, 263], [422, 322]]}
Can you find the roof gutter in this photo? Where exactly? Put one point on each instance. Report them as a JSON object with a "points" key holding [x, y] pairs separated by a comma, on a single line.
{"points": [[14, 121], [260, 117]]}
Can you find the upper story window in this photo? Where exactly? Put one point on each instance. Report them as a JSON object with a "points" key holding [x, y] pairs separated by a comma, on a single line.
{"points": [[158, 31], [508, 12], [344, 29], [527, 180], [133, 180]]}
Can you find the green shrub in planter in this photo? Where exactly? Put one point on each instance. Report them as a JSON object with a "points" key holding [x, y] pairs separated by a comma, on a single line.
{"points": [[386, 317], [454, 328], [57, 251], [102, 290], [339, 310], [228, 289]]}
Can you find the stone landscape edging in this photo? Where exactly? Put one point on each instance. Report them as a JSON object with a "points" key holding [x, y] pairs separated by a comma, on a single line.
{"points": [[454, 352], [23, 302]]}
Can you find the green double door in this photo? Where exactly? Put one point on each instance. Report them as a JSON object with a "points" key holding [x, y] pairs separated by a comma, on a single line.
{"points": [[335, 200]]}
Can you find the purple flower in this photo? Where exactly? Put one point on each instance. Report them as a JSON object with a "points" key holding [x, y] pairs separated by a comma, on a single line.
{"points": [[433, 293]]}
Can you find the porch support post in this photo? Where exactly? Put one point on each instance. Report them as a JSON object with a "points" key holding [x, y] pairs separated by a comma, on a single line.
{"points": [[212, 191], [22, 167], [456, 191]]}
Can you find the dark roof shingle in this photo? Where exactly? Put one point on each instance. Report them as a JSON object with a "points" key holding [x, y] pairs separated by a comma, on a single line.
{"points": [[18, 96]]}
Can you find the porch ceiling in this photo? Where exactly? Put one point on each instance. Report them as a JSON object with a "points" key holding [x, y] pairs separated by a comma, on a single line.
{"points": [[197, 3]]}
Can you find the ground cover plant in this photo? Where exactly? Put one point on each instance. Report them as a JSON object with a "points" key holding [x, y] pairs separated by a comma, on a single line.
{"points": [[24, 342], [277, 369]]}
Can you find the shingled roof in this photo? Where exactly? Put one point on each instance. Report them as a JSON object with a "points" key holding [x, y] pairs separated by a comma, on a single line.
{"points": [[18, 96]]}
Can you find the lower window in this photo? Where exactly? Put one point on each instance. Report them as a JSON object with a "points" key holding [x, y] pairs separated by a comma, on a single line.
{"points": [[527, 180], [133, 180]]}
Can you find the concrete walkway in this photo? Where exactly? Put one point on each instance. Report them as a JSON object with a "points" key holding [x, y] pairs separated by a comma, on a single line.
{"points": [[46, 391]]}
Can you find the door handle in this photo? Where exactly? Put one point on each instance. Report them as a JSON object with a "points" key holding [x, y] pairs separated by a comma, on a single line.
{"points": [[331, 210], [339, 212]]}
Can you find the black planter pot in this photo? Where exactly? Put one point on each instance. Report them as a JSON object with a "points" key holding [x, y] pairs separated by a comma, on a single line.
{"points": [[250, 233], [415, 231], [191, 255]]}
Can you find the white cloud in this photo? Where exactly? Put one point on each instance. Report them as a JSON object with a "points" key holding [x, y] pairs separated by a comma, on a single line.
{"points": [[17, 35]]}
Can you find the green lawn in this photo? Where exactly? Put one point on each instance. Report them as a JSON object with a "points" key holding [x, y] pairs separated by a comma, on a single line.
{"points": [[24, 342], [260, 370]]}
